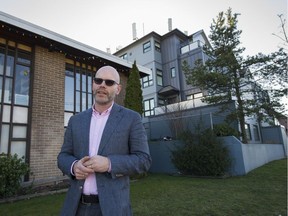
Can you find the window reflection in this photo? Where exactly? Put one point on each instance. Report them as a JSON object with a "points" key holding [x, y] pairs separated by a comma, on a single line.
{"points": [[10, 63], [69, 90], [22, 85], [78, 88], [8, 91], [15, 69]]}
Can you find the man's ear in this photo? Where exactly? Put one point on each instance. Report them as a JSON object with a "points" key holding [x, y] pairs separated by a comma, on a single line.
{"points": [[119, 87]]}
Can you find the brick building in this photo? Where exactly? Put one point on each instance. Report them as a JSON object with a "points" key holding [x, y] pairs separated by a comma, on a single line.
{"points": [[45, 78]]}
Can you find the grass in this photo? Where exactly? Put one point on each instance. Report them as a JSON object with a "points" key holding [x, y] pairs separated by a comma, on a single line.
{"points": [[262, 192]]}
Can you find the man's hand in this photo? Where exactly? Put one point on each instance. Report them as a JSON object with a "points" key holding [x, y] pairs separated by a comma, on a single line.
{"points": [[98, 163], [81, 171]]}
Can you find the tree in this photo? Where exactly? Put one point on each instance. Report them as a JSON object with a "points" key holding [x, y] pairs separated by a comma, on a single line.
{"points": [[228, 76], [283, 33], [133, 97]]}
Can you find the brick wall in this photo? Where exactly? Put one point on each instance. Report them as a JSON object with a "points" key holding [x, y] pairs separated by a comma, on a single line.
{"points": [[47, 126]]}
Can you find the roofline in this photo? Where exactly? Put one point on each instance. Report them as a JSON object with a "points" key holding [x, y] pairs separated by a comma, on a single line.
{"points": [[151, 34], [155, 34], [65, 40]]}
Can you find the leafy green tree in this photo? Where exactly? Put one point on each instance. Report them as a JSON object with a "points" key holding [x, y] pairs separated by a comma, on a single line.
{"points": [[227, 75], [133, 97]]}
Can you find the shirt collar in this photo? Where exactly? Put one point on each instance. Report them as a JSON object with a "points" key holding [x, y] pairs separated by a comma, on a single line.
{"points": [[106, 112]]}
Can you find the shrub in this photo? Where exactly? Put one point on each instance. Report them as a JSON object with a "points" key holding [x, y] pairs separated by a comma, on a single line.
{"points": [[12, 170], [225, 130], [202, 155]]}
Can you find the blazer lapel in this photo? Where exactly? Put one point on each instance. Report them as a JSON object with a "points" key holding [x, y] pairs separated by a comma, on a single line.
{"points": [[110, 126], [85, 131]]}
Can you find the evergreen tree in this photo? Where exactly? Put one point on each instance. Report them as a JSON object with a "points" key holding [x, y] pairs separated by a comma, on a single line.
{"points": [[228, 76], [133, 97]]}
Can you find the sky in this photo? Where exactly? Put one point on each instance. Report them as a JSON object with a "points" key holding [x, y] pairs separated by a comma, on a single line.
{"points": [[108, 24]]}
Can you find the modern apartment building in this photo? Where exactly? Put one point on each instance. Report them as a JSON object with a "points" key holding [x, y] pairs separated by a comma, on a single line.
{"points": [[166, 83]]}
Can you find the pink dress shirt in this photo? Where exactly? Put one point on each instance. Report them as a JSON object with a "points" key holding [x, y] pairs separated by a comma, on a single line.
{"points": [[98, 122]]}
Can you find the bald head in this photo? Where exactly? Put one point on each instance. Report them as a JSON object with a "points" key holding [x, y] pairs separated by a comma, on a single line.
{"points": [[109, 73], [104, 94]]}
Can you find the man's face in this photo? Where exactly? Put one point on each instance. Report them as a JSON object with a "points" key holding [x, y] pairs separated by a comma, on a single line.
{"points": [[103, 93]]}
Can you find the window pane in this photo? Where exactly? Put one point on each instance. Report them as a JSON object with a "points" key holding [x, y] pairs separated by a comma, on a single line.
{"points": [[19, 148], [173, 72], [84, 101], [89, 84], [78, 80], [1, 86], [20, 115], [152, 104], [69, 91], [22, 85], [8, 90], [146, 105], [4, 139], [90, 103], [19, 131], [159, 81], [2, 60], [83, 81], [157, 46], [77, 102], [66, 118], [10, 63], [24, 58], [6, 113]]}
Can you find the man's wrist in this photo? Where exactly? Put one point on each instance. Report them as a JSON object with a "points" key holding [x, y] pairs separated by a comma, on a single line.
{"points": [[72, 168], [109, 165]]}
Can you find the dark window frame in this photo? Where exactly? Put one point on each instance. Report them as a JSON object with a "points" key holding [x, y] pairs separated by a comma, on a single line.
{"points": [[157, 46], [22, 57], [147, 46], [81, 89], [150, 110], [159, 77]]}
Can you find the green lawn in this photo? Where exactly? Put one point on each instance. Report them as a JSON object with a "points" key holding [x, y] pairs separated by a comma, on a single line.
{"points": [[262, 192]]}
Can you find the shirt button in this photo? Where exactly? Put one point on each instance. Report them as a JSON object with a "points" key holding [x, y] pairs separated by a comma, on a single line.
{"points": [[80, 188]]}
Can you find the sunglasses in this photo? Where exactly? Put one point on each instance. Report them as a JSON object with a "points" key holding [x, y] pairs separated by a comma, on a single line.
{"points": [[108, 82]]}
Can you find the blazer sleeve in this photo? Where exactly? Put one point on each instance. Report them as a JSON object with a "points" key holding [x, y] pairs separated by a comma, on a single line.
{"points": [[138, 159]]}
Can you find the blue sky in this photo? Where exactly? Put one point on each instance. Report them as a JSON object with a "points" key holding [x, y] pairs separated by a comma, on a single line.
{"points": [[108, 24]]}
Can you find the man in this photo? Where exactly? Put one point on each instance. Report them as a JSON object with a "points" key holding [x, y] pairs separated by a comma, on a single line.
{"points": [[102, 147]]}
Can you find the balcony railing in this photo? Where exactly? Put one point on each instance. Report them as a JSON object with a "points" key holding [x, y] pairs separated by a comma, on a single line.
{"points": [[191, 46], [184, 105]]}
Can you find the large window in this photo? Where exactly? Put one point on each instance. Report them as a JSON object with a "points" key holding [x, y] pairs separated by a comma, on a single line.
{"points": [[146, 47], [159, 77], [157, 46], [15, 75], [78, 89], [147, 81], [149, 107]]}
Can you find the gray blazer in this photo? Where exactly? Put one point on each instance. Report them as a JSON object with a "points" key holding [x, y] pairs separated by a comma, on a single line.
{"points": [[124, 141]]}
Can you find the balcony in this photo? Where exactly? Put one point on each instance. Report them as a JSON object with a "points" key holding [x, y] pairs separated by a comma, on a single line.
{"points": [[191, 46]]}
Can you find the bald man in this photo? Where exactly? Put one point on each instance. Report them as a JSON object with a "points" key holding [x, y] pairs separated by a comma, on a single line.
{"points": [[102, 147]]}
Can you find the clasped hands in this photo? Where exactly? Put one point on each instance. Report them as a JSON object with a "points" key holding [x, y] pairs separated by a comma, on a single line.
{"points": [[87, 165]]}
